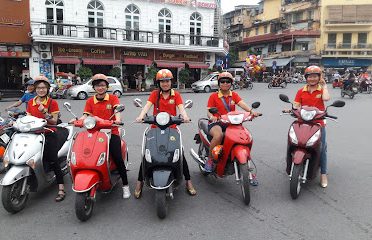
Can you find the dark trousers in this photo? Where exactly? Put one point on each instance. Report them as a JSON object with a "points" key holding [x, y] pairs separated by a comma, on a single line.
{"points": [[186, 172], [50, 155], [115, 150]]}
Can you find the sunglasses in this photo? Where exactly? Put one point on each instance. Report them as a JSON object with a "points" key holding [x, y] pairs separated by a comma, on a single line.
{"points": [[225, 81], [167, 80]]}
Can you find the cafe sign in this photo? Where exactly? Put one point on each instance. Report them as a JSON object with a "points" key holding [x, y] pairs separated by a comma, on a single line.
{"points": [[179, 56], [82, 51], [191, 3]]}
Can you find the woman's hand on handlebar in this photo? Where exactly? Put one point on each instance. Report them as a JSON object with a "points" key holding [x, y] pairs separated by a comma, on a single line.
{"points": [[186, 119], [286, 111], [139, 119], [213, 119], [256, 114]]}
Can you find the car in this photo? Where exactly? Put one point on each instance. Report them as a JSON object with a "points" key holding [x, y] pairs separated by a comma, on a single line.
{"points": [[206, 84], [85, 89]]}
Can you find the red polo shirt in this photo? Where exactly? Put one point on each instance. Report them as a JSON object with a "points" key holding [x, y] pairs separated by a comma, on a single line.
{"points": [[215, 100], [168, 105], [103, 109], [312, 99], [48, 103]]}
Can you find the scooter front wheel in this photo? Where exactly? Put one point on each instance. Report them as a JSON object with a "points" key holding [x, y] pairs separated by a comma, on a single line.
{"points": [[244, 184], [295, 183], [161, 203], [83, 206], [12, 199]]}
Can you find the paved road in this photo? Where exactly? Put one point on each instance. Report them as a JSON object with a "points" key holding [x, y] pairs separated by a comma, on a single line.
{"points": [[342, 211]]}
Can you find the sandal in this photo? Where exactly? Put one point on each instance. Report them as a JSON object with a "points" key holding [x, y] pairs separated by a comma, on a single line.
{"points": [[138, 193], [191, 191], [61, 195]]}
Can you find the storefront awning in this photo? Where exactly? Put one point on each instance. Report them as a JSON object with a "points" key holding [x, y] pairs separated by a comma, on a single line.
{"points": [[165, 64], [280, 62], [197, 65], [66, 60], [95, 61], [137, 61]]}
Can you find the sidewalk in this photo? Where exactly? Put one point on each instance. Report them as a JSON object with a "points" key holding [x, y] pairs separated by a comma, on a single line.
{"points": [[128, 93]]}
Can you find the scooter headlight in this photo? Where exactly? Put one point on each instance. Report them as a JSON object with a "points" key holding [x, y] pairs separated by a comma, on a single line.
{"points": [[236, 119], [148, 156], [101, 159], [292, 135], [6, 161], [89, 122], [163, 118], [313, 139], [73, 158], [176, 155], [307, 115]]}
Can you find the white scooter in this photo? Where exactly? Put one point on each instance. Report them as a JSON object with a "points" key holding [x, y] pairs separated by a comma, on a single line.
{"points": [[23, 157]]}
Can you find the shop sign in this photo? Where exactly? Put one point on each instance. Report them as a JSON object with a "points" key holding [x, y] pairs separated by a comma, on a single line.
{"points": [[346, 62], [82, 51], [135, 54], [191, 3], [179, 56], [15, 54]]}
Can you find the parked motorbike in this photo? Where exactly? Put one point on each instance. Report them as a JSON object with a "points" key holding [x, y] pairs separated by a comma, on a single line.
{"points": [[281, 84], [350, 91], [235, 156], [304, 144], [24, 159], [162, 155], [91, 166]]}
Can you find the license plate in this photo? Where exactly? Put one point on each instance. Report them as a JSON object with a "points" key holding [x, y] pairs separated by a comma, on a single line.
{"points": [[5, 138]]}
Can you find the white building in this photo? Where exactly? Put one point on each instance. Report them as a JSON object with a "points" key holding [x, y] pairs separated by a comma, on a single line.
{"points": [[131, 34]]}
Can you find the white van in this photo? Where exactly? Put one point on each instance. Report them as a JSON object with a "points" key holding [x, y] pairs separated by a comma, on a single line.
{"points": [[235, 72]]}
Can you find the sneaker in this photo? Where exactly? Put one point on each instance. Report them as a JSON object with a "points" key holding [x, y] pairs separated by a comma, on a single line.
{"points": [[208, 166], [126, 192], [253, 181]]}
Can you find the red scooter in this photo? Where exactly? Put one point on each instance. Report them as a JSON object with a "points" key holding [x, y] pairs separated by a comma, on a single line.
{"points": [[304, 144], [235, 156], [91, 166]]}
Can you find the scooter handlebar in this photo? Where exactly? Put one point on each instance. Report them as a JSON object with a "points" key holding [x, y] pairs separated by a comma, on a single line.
{"points": [[330, 116]]}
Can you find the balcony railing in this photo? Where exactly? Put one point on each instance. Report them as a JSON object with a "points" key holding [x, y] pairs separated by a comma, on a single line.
{"points": [[348, 46], [119, 34], [138, 36], [58, 29]]}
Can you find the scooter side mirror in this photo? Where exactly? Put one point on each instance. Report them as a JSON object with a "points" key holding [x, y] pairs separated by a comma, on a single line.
{"points": [[188, 104], [284, 98], [213, 110], [137, 102], [67, 105], [119, 108], [256, 105], [338, 103]]}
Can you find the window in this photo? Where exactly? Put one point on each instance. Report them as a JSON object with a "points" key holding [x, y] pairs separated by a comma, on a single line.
{"points": [[332, 38], [132, 15], [256, 31], [165, 21], [95, 19], [54, 13], [272, 47], [297, 17], [265, 29], [195, 28], [346, 40], [362, 40], [310, 14]]}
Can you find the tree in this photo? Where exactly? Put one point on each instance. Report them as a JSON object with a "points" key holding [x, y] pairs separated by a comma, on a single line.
{"points": [[233, 56], [184, 77], [115, 72], [85, 72], [151, 72]]}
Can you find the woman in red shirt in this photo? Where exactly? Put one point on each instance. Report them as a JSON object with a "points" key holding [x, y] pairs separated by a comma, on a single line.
{"points": [[165, 100], [42, 106], [103, 105]]}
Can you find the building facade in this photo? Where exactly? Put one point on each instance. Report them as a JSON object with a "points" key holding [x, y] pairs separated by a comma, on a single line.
{"points": [[15, 43], [347, 34], [131, 35]]}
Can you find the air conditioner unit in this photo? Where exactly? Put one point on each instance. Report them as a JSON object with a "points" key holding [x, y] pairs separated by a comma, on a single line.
{"points": [[207, 57], [44, 47], [365, 53], [45, 55]]}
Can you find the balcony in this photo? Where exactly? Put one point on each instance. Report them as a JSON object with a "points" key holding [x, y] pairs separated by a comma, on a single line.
{"points": [[352, 47], [82, 34]]}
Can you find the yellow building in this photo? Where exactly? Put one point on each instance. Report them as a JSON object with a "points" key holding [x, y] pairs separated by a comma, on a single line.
{"points": [[346, 30]]}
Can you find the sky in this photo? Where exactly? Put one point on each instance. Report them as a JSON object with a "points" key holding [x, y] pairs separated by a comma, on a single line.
{"points": [[228, 5]]}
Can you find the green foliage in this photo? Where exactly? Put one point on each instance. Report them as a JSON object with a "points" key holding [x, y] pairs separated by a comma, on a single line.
{"points": [[85, 72], [115, 72], [233, 56], [151, 72], [184, 76]]}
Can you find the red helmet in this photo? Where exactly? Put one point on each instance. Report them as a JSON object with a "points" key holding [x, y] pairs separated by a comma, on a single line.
{"points": [[225, 75], [164, 74], [312, 70]]}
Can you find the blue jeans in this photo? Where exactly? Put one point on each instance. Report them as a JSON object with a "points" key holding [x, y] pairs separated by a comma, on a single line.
{"points": [[323, 152]]}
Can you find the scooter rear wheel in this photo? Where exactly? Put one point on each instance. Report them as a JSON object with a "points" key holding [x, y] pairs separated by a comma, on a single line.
{"points": [[244, 184], [83, 206], [270, 86], [295, 183], [202, 152], [11, 197], [161, 203]]}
